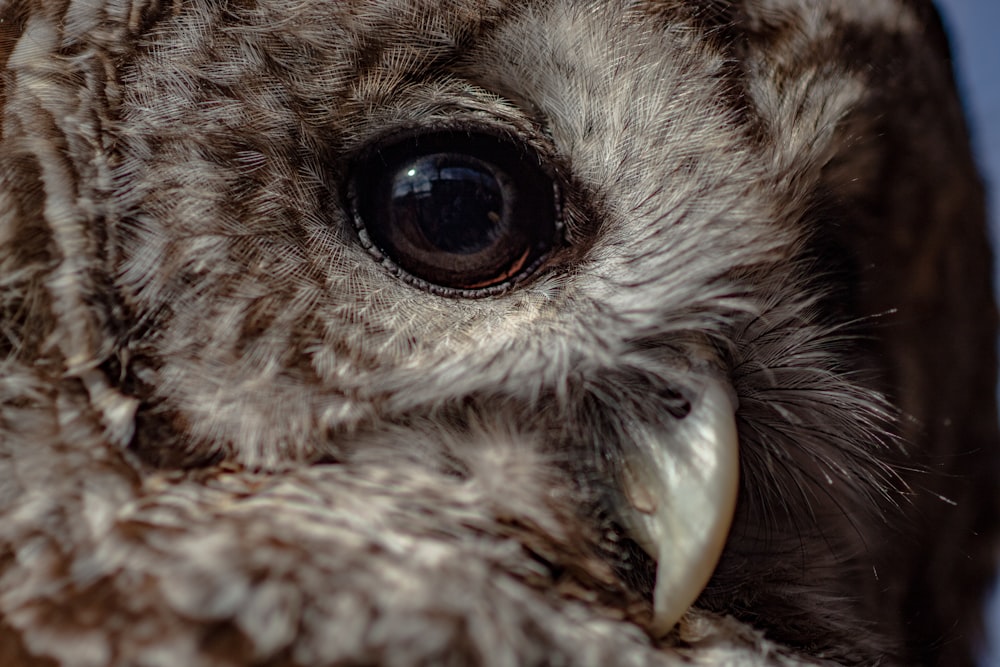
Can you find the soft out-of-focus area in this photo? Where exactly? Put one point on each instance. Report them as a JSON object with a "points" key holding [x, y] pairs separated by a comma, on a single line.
{"points": [[973, 25]]}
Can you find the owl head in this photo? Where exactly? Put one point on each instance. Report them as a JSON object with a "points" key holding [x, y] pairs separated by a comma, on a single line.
{"points": [[680, 270]]}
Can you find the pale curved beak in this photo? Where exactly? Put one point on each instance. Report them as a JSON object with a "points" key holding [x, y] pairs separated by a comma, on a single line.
{"points": [[681, 484]]}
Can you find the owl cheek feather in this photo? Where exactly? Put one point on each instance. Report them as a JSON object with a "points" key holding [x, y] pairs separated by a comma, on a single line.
{"points": [[680, 487]]}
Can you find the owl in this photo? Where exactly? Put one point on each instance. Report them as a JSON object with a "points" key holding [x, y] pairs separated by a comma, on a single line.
{"points": [[490, 332]]}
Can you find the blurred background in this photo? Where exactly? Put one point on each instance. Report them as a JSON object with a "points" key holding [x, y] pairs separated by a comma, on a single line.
{"points": [[974, 26]]}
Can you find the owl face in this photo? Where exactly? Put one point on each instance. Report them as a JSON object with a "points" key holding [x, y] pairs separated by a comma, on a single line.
{"points": [[556, 213]]}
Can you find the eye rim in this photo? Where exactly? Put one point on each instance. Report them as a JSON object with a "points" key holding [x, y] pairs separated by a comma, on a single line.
{"points": [[376, 150]]}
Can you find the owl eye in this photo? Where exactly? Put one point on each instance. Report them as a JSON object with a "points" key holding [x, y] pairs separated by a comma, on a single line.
{"points": [[467, 212]]}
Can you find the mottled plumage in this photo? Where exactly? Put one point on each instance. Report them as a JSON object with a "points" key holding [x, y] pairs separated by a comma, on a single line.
{"points": [[233, 431]]}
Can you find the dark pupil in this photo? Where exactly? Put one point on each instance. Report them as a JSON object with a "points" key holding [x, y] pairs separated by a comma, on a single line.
{"points": [[453, 202]]}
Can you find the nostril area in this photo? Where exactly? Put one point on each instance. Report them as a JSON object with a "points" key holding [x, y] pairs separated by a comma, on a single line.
{"points": [[675, 402]]}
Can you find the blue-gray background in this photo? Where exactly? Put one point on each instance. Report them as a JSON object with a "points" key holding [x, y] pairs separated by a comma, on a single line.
{"points": [[974, 26]]}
